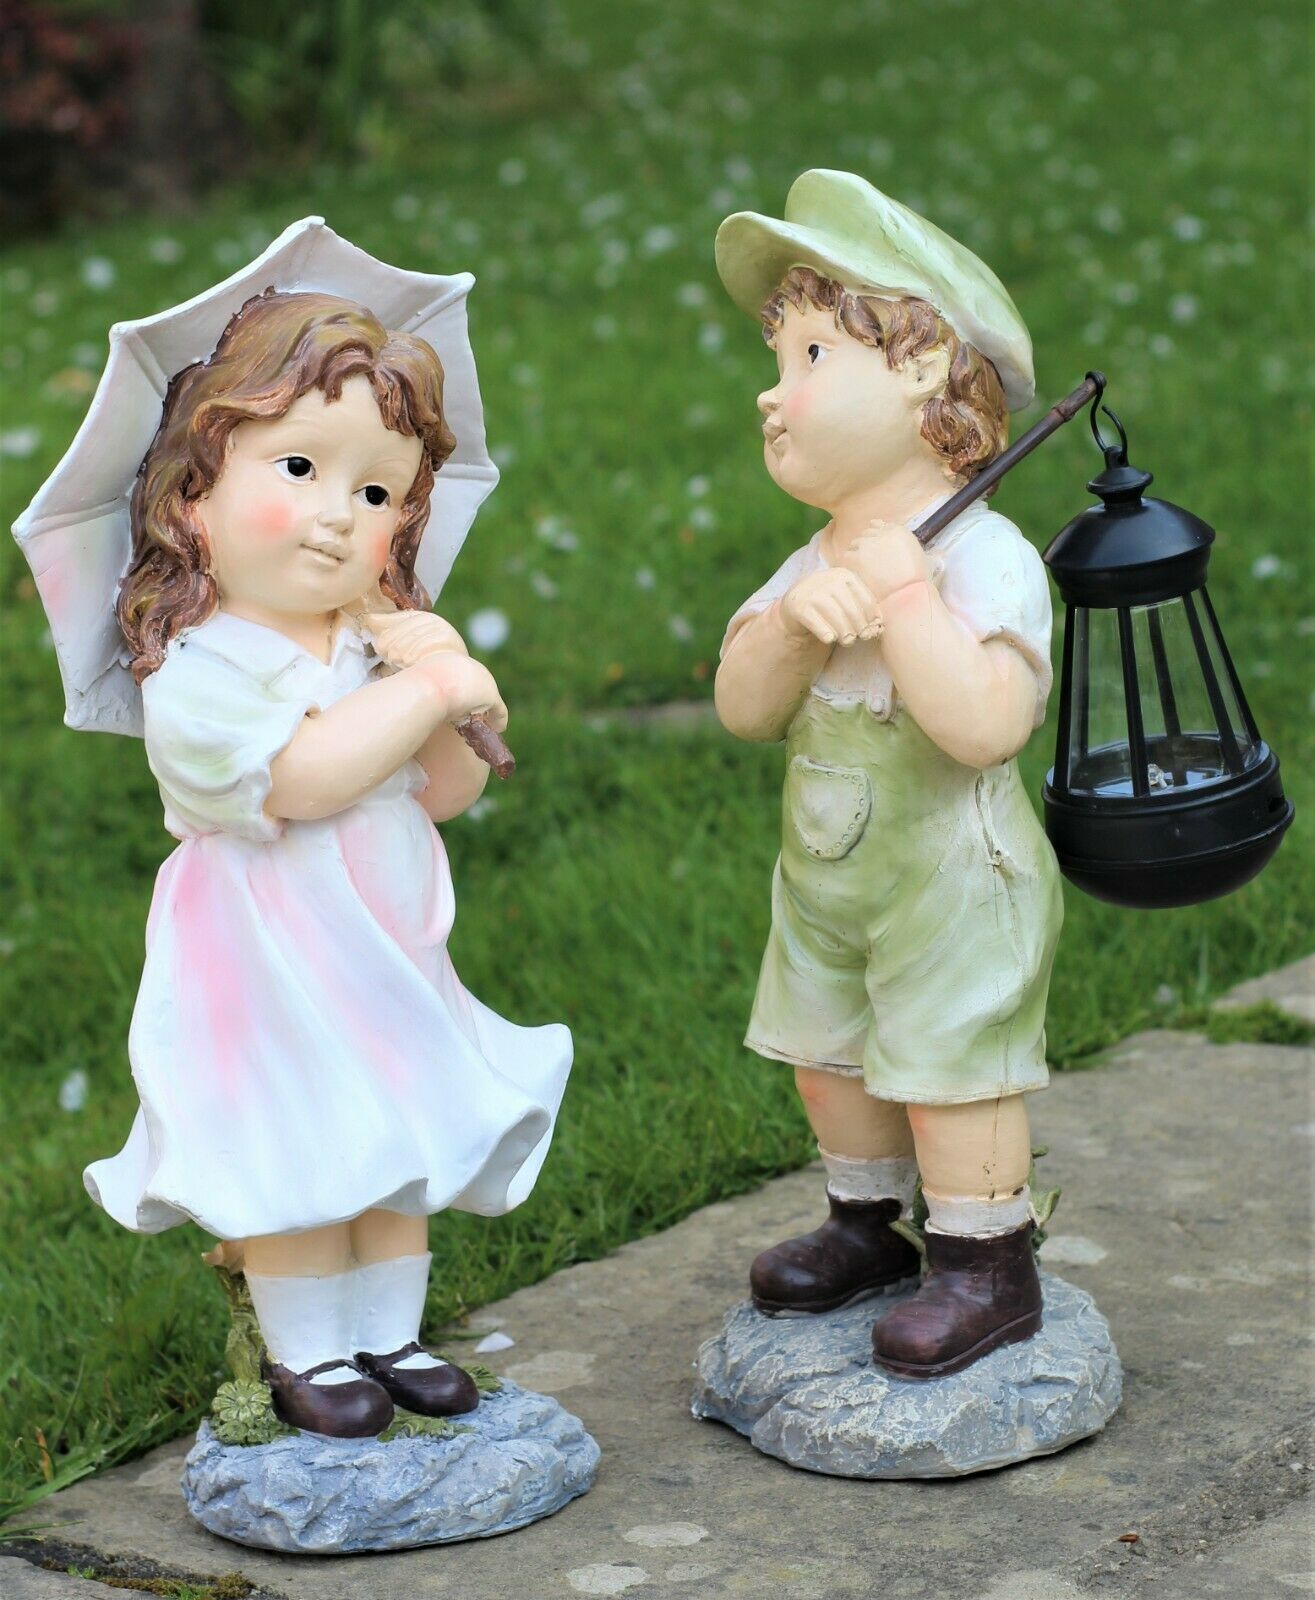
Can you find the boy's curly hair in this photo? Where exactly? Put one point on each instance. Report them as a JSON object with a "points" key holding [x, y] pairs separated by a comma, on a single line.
{"points": [[968, 422]]}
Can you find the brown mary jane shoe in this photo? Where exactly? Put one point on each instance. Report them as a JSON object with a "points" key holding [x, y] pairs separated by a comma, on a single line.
{"points": [[444, 1391], [356, 1409]]}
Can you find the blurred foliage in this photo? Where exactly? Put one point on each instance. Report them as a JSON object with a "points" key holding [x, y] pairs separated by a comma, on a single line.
{"points": [[371, 77], [64, 101]]}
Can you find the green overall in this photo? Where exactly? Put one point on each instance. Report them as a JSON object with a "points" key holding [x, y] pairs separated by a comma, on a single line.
{"points": [[915, 911]]}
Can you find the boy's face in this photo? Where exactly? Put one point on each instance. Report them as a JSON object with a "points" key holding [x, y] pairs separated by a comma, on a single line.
{"points": [[839, 422]]}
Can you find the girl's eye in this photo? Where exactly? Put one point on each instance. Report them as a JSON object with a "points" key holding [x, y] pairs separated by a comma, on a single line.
{"points": [[298, 468], [375, 494], [815, 354]]}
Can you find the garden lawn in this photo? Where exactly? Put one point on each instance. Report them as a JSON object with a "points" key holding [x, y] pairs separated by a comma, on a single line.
{"points": [[1141, 190]]}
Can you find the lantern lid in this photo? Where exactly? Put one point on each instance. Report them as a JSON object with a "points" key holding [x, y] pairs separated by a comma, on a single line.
{"points": [[1128, 550]]}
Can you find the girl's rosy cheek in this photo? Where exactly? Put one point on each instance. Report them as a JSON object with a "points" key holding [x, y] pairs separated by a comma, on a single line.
{"points": [[272, 518], [380, 540]]}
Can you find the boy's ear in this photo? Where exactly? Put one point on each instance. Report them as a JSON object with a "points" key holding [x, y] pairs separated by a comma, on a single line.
{"points": [[930, 372]]}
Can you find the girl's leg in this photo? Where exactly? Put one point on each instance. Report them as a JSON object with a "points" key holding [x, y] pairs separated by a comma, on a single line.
{"points": [[316, 1253], [304, 1296], [391, 1278], [981, 1289], [867, 1148], [384, 1235]]}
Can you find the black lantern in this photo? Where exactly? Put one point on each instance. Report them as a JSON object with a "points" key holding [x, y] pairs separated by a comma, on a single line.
{"points": [[1163, 792]]}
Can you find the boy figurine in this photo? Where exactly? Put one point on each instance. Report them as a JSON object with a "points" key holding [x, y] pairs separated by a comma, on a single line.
{"points": [[916, 901]]}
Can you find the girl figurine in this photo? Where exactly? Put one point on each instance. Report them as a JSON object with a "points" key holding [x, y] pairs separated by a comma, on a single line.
{"points": [[916, 901], [314, 1079]]}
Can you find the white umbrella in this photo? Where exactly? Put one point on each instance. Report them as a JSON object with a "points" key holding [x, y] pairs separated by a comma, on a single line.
{"points": [[76, 533]]}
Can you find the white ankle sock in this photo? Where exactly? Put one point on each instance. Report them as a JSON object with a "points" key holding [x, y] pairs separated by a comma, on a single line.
{"points": [[306, 1321], [390, 1300], [978, 1219], [886, 1178]]}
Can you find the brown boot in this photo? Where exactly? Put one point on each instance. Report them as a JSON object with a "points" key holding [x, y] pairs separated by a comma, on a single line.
{"points": [[852, 1255], [356, 1409], [977, 1295], [441, 1391]]}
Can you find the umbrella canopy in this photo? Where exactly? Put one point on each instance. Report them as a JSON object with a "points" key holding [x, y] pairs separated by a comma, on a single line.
{"points": [[76, 534]]}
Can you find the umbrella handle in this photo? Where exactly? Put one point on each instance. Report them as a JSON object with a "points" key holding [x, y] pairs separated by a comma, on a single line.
{"points": [[488, 745]]}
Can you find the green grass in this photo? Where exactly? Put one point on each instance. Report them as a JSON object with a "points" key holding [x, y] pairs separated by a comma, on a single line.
{"points": [[1137, 177]]}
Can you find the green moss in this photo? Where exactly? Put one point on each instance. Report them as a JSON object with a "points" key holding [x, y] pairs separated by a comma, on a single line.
{"points": [[1259, 1024]]}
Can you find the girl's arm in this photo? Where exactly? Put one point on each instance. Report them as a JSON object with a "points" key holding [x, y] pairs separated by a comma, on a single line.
{"points": [[350, 748], [456, 774]]}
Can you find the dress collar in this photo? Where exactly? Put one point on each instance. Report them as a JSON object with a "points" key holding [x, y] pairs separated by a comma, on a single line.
{"points": [[262, 652]]}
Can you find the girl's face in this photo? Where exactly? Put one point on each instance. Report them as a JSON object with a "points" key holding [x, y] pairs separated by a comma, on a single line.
{"points": [[839, 422], [303, 514]]}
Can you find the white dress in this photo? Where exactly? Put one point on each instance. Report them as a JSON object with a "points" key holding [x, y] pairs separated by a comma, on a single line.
{"points": [[301, 1044]]}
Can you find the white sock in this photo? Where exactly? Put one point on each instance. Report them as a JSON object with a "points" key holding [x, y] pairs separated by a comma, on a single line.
{"points": [[390, 1300], [978, 1219], [306, 1321], [886, 1178]]}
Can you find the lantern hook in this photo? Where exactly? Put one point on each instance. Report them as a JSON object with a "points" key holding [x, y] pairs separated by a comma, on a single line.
{"points": [[1116, 455]]}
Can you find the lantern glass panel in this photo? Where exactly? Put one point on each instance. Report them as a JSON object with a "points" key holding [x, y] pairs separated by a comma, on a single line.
{"points": [[1183, 702], [1183, 748], [1243, 729], [1098, 736]]}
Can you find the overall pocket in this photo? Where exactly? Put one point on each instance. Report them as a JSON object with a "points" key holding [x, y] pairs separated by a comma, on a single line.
{"points": [[829, 806]]}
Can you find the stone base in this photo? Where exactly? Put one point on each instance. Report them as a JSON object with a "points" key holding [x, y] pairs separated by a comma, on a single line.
{"points": [[523, 1458], [805, 1389]]}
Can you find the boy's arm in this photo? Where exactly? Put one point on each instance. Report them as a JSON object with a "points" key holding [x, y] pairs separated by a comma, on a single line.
{"points": [[976, 700], [764, 676], [772, 661]]}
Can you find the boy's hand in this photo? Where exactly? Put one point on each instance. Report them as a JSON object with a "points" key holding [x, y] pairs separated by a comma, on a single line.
{"points": [[835, 606], [887, 557], [401, 638]]}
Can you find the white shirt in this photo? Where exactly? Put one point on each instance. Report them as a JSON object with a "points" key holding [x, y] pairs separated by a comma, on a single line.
{"points": [[989, 577]]}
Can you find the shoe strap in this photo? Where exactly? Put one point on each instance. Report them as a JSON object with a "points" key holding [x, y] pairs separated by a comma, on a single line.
{"points": [[329, 1366], [412, 1349]]}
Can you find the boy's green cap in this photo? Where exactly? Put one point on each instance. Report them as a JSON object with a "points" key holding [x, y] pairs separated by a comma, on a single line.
{"points": [[841, 226]]}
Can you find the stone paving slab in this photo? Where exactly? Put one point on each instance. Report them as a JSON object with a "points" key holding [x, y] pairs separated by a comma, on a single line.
{"points": [[1186, 1213], [1291, 989]]}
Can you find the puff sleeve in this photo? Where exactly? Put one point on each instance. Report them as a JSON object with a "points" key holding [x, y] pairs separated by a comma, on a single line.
{"points": [[212, 731], [996, 584]]}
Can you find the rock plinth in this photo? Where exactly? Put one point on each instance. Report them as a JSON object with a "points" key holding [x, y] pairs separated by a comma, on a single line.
{"points": [[805, 1389], [522, 1458]]}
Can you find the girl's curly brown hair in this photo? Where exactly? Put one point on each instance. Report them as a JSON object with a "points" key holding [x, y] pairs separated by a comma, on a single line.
{"points": [[277, 348], [968, 422]]}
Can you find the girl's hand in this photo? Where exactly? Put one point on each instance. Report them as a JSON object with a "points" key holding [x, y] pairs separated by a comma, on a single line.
{"points": [[835, 606], [465, 688], [401, 638], [887, 557]]}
